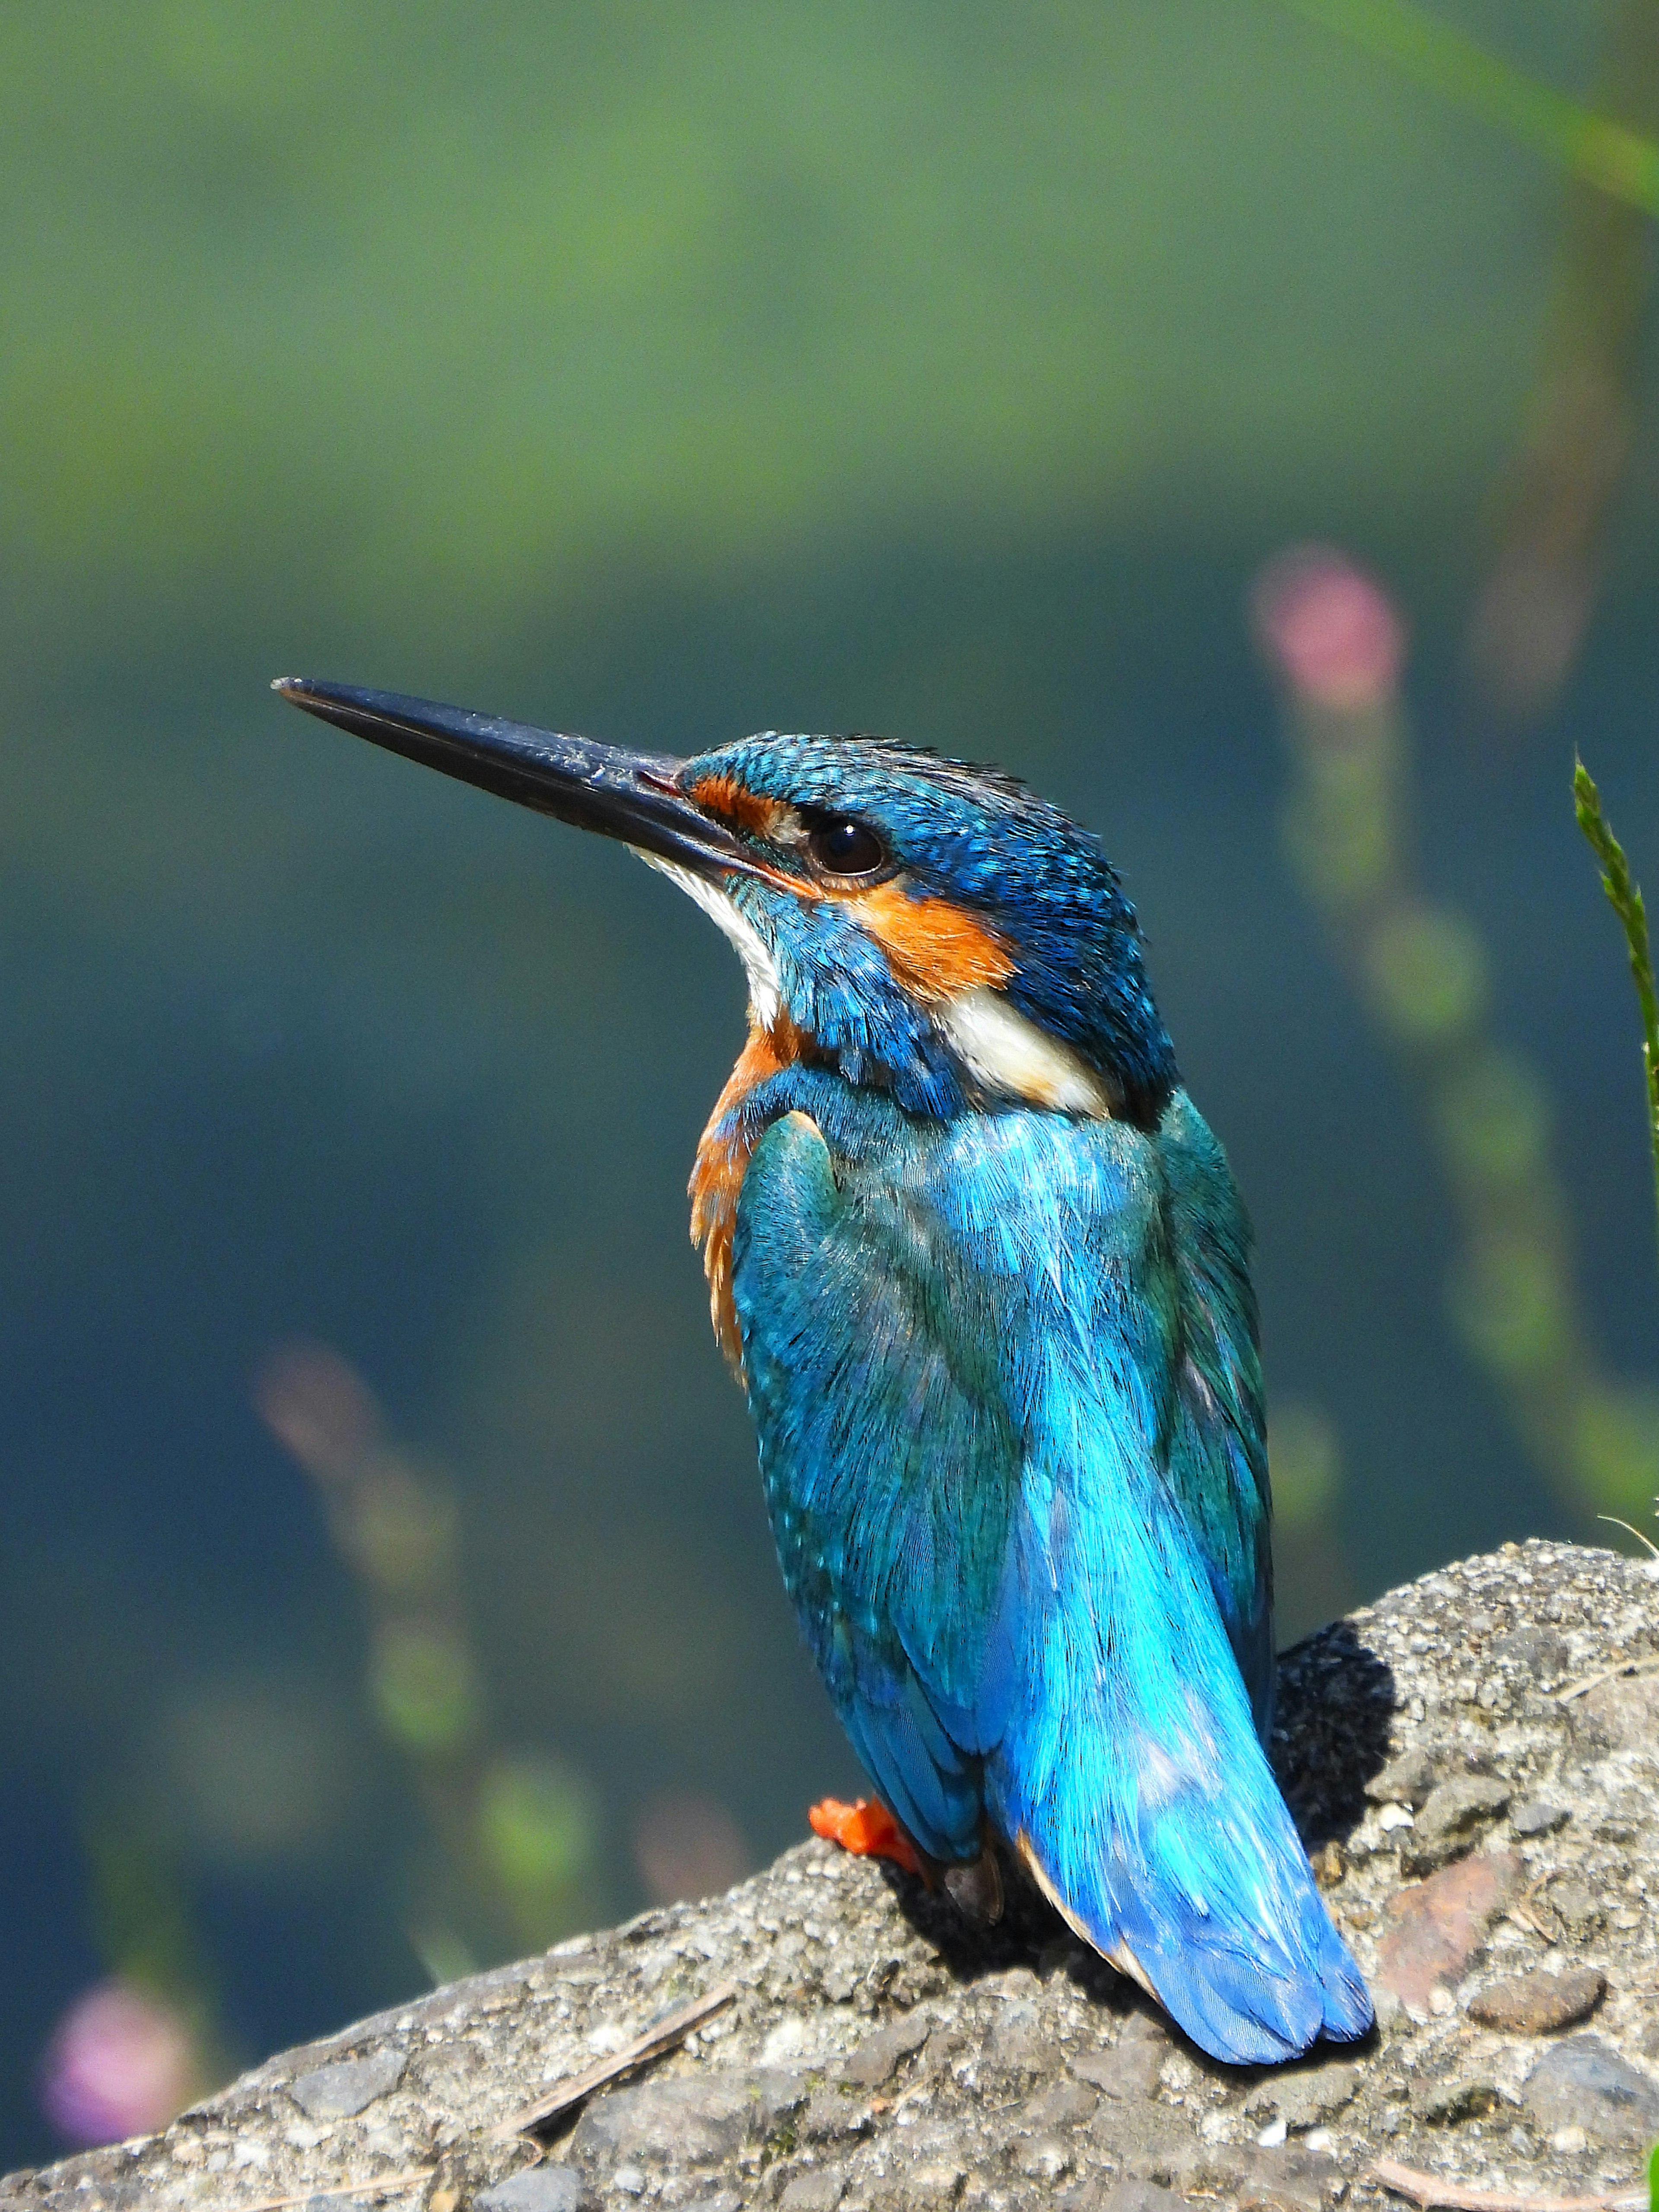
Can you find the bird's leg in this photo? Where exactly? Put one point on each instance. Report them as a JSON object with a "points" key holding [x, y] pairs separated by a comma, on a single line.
{"points": [[866, 1829]]}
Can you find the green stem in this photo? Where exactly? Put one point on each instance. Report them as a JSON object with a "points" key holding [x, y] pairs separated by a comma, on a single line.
{"points": [[1617, 159], [1625, 897]]}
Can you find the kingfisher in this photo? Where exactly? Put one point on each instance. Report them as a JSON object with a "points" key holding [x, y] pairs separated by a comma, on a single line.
{"points": [[982, 1272]]}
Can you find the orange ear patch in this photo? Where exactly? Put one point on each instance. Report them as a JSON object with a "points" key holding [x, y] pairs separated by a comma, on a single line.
{"points": [[935, 949], [725, 796], [718, 1172]]}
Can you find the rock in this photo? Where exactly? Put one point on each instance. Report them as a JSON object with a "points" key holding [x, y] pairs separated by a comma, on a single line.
{"points": [[1583, 2082], [1537, 1816], [1537, 2003], [1130, 2068], [1290, 2179], [878, 2056], [693, 2122], [1623, 1713], [939, 2182], [1139, 2196], [830, 2118], [1575, 1906], [1302, 2096], [1463, 2094], [1407, 1780], [818, 2191], [1452, 1816], [1538, 1652], [874, 2061], [541, 2189], [340, 2091], [1067, 2105], [1439, 1924]]}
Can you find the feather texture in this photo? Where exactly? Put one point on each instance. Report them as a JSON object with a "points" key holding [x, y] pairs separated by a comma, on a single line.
{"points": [[1004, 1373]]}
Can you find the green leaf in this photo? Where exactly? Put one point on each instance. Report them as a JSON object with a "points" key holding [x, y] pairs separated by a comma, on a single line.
{"points": [[1625, 897]]}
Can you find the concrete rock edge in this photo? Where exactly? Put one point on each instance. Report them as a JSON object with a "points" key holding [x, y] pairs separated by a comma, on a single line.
{"points": [[877, 2056]]}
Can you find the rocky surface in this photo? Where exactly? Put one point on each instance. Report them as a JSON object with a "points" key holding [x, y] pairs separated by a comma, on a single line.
{"points": [[1473, 1762]]}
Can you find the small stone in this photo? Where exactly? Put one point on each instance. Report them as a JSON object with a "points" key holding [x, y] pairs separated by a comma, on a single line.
{"points": [[1291, 2179], [1579, 1913], [1537, 2003], [1141, 2196], [877, 2057], [1063, 2104], [1304, 2095], [341, 2090], [1442, 2099], [831, 2117], [1538, 1652], [1439, 1924], [1624, 1713], [630, 2180], [1450, 1821], [1130, 2068], [819, 2191], [1537, 1816], [1407, 1780], [1583, 2082], [538, 2189], [1045, 2159], [937, 2182], [1329, 1863], [1017, 2044], [694, 2121]]}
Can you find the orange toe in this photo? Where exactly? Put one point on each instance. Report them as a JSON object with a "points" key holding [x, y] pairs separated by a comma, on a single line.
{"points": [[866, 1829]]}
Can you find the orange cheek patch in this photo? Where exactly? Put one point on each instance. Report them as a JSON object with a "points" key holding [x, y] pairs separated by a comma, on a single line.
{"points": [[726, 796], [936, 949]]}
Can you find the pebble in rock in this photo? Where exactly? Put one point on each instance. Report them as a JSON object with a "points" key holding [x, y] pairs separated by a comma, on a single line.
{"points": [[1537, 1816], [542, 2189], [341, 2090], [1583, 2082], [1452, 1817], [1407, 1780], [1538, 2003]]}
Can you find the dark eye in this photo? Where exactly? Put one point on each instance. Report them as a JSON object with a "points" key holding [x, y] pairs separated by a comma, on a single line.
{"points": [[842, 847]]}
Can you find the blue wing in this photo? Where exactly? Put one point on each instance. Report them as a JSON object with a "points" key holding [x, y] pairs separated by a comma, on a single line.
{"points": [[1003, 1376]]}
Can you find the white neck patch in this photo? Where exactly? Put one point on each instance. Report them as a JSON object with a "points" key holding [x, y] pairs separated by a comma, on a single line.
{"points": [[1007, 1054], [765, 993]]}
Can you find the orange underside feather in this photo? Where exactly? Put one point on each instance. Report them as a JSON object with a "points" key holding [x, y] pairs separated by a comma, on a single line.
{"points": [[718, 1172]]}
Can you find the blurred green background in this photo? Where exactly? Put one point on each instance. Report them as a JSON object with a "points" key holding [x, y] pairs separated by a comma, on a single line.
{"points": [[664, 372]]}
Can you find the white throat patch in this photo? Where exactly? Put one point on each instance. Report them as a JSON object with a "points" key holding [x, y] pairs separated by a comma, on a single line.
{"points": [[1009, 1055], [765, 994]]}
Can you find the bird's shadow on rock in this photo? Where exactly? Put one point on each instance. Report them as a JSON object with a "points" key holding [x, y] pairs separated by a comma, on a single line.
{"points": [[1335, 1702]]}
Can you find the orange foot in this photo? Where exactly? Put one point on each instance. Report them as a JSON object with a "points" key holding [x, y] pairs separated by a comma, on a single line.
{"points": [[867, 1829]]}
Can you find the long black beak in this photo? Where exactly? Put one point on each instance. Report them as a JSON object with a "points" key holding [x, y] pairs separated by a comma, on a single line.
{"points": [[631, 796]]}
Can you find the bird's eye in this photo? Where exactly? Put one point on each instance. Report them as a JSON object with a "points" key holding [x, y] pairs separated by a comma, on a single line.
{"points": [[842, 847]]}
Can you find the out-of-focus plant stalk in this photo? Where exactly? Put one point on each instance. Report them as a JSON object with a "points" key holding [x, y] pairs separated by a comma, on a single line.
{"points": [[1601, 148], [1625, 897], [1531, 616], [517, 1833], [1337, 645]]}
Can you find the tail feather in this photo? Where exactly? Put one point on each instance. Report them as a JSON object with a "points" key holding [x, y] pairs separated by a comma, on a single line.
{"points": [[1206, 1896]]}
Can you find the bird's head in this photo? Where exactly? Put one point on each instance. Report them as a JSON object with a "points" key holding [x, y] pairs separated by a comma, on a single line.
{"points": [[929, 928]]}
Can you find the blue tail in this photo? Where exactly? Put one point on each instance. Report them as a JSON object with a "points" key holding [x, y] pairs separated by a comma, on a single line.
{"points": [[1133, 1784]]}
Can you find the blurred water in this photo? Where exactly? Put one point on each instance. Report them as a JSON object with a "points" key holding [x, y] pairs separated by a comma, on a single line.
{"points": [[978, 442]]}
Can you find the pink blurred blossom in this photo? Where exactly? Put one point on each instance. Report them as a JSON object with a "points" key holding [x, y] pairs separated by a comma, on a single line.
{"points": [[1329, 630], [120, 2063]]}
